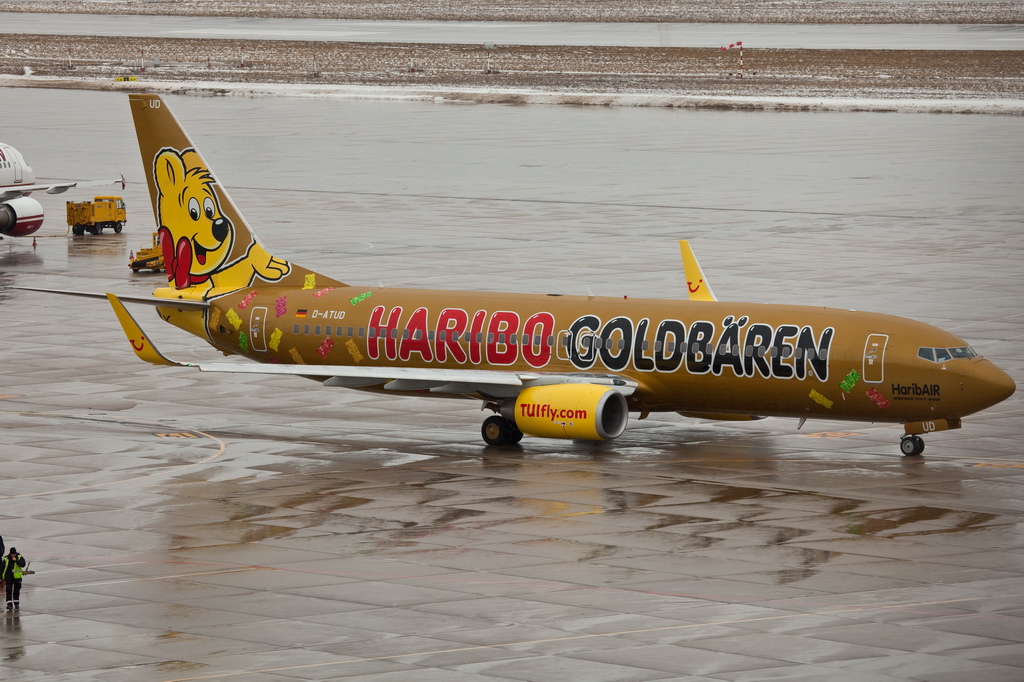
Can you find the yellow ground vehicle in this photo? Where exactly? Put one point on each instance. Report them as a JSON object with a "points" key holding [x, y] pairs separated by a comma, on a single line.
{"points": [[151, 257], [97, 214]]}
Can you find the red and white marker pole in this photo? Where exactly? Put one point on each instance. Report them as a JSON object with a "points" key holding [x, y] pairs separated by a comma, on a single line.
{"points": [[738, 44]]}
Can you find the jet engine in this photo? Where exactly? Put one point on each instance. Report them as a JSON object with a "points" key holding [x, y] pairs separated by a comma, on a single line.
{"points": [[20, 217], [584, 411]]}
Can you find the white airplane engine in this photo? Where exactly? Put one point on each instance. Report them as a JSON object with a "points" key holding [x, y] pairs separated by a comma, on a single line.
{"points": [[20, 217]]}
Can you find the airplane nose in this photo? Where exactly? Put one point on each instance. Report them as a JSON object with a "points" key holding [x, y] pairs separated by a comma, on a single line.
{"points": [[990, 385]]}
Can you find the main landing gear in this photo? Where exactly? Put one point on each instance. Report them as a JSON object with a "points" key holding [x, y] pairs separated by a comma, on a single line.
{"points": [[500, 431], [911, 445]]}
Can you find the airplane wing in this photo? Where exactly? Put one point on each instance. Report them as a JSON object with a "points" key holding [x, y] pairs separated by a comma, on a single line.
{"points": [[145, 300], [491, 384], [56, 188]]}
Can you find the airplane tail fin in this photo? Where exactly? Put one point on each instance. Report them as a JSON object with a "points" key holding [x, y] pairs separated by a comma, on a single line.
{"points": [[207, 245], [697, 286]]}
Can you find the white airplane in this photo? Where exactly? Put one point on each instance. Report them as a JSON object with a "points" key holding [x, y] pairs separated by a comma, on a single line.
{"points": [[20, 214]]}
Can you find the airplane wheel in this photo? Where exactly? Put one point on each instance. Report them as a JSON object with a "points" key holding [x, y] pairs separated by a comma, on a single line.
{"points": [[497, 431], [911, 445], [515, 435]]}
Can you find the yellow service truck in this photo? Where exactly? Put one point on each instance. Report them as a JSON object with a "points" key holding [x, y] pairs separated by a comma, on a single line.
{"points": [[148, 257], [97, 214]]}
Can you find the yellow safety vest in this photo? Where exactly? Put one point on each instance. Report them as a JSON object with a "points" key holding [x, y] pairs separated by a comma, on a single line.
{"points": [[16, 571]]}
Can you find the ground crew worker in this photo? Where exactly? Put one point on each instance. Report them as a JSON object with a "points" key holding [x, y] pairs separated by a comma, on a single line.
{"points": [[13, 570]]}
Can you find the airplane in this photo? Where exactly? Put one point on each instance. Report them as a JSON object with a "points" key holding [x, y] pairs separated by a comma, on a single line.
{"points": [[20, 214], [552, 366]]}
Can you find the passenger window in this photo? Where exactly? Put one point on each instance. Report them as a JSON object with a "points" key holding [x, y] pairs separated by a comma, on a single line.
{"points": [[295, 329], [926, 354]]}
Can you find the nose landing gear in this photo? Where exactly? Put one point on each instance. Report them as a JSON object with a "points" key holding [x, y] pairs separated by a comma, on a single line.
{"points": [[911, 445]]}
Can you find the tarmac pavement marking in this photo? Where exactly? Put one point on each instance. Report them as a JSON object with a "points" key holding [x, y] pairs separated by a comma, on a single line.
{"points": [[221, 449], [177, 576]]}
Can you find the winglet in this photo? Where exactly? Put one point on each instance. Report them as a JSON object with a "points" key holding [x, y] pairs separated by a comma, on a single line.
{"points": [[140, 343], [696, 284]]}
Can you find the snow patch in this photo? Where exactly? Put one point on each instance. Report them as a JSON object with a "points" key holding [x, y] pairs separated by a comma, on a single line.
{"points": [[495, 95]]}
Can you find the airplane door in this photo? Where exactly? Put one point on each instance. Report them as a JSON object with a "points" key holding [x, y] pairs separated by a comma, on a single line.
{"points": [[874, 359], [257, 340], [9, 155]]}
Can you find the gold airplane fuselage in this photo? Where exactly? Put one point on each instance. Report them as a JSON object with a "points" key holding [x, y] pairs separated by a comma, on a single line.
{"points": [[714, 358]]}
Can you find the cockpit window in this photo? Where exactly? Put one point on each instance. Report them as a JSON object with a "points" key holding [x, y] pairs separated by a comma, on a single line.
{"points": [[944, 354]]}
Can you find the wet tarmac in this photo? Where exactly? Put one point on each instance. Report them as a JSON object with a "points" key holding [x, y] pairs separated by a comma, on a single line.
{"points": [[187, 526]]}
